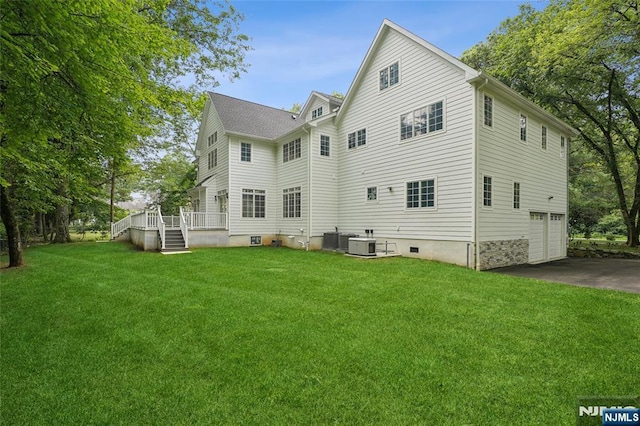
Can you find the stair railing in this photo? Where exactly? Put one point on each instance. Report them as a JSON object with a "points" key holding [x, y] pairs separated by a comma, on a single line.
{"points": [[184, 227], [161, 229], [120, 226]]}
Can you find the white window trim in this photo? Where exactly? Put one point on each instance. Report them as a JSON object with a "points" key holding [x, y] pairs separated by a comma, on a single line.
{"points": [[546, 144], [240, 153], [493, 186], [291, 142], [563, 149], [386, 89], [513, 182], [528, 125], [320, 146], [366, 194], [357, 147], [292, 190], [421, 209], [428, 134], [266, 209], [493, 111]]}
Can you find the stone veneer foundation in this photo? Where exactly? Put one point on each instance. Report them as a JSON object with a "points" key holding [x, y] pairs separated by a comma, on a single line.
{"points": [[496, 254]]}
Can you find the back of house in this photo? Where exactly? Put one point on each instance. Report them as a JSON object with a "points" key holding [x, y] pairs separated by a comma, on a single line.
{"points": [[425, 155]]}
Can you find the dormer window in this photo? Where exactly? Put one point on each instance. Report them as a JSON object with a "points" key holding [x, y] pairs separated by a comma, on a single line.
{"points": [[316, 113], [389, 76]]}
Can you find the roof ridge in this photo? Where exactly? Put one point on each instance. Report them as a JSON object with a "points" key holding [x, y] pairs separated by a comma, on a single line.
{"points": [[249, 102]]}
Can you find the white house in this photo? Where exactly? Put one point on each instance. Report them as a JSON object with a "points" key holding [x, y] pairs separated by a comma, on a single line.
{"points": [[436, 159]]}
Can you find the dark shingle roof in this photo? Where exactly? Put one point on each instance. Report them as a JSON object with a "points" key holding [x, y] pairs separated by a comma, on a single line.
{"points": [[332, 99], [253, 119]]}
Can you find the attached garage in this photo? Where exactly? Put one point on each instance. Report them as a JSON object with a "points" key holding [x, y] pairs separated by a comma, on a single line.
{"points": [[537, 240], [556, 245], [546, 237]]}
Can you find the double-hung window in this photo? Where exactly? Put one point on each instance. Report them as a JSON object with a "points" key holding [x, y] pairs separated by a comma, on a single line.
{"points": [[421, 193], [253, 203], [212, 159], [523, 128], [291, 150], [488, 111], [245, 152], [423, 120], [516, 195], [356, 139], [487, 191], [544, 138], [291, 202], [389, 76], [324, 146], [213, 138]]}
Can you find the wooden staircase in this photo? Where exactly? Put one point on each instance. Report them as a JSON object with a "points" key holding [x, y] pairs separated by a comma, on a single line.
{"points": [[174, 240]]}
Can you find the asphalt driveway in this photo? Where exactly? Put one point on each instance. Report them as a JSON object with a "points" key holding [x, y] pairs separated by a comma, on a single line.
{"points": [[613, 274]]}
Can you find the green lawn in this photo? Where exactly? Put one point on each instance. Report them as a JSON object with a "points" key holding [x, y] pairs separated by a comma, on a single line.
{"points": [[98, 333]]}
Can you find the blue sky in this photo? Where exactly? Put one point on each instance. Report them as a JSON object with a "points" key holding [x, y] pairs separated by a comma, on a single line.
{"points": [[300, 46]]}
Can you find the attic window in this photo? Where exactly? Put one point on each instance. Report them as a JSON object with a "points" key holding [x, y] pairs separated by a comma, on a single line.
{"points": [[316, 113], [389, 76], [213, 138]]}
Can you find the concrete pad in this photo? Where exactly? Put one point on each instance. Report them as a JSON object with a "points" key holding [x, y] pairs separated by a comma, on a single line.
{"points": [[612, 274]]}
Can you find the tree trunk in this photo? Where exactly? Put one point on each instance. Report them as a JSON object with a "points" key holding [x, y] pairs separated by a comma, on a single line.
{"points": [[13, 230], [62, 218], [113, 197]]}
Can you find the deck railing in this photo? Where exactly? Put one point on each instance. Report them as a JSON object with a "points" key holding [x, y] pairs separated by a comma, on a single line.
{"points": [[184, 227], [206, 220], [187, 220], [161, 228], [146, 219]]}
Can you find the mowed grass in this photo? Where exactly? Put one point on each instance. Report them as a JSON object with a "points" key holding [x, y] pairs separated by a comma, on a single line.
{"points": [[99, 333]]}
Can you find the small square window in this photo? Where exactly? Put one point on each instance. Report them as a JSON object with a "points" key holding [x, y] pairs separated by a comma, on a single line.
{"points": [[390, 76], [372, 193]]}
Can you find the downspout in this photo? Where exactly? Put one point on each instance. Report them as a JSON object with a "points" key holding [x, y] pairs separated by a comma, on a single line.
{"points": [[474, 202], [309, 189]]}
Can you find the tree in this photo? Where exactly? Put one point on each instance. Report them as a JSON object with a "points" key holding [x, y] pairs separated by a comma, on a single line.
{"points": [[84, 85], [580, 59], [168, 180]]}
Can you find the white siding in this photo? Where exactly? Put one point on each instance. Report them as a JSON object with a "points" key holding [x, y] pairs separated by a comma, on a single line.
{"points": [[259, 174], [501, 154], [324, 180], [316, 103], [292, 174], [387, 162], [212, 124], [219, 175]]}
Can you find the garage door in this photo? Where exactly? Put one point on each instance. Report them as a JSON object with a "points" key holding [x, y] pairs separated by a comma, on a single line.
{"points": [[537, 239], [556, 236]]}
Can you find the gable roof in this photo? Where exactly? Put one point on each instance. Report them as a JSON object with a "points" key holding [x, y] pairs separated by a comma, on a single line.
{"points": [[333, 102], [386, 26], [251, 119]]}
